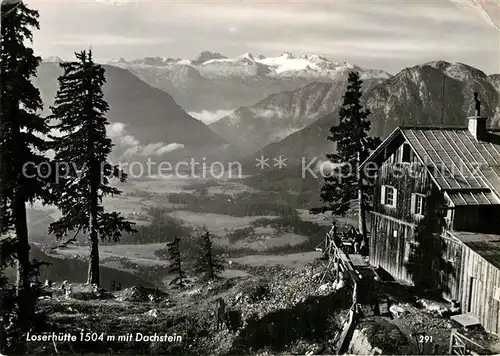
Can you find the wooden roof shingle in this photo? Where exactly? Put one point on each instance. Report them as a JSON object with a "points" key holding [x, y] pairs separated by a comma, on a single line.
{"points": [[467, 169], [485, 245]]}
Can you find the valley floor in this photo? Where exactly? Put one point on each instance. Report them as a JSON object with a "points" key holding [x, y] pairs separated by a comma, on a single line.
{"points": [[279, 299]]}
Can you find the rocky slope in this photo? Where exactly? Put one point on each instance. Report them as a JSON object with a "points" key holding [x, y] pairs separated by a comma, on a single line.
{"points": [[274, 311], [495, 80], [412, 97], [280, 115], [280, 310], [145, 121], [214, 82]]}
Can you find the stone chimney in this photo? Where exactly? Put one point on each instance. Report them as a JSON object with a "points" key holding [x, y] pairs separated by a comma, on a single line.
{"points": [[477, 127], [477, 123]]}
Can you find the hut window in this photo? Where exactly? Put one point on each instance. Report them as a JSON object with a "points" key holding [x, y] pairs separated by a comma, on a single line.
{"points": [[396, 156], [417, 204], [388, 196], [406, 153]]}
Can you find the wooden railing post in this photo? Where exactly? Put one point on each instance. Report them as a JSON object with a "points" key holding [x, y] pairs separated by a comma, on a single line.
{"points": [[462, 345], [452, 339]]}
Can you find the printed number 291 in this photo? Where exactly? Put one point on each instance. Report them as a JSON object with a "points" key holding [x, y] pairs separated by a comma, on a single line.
{"points": [[424, 339]]}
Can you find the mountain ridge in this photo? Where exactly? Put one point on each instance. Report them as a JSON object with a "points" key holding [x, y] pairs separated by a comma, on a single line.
{"points": [[214, 82], [150, 117], [411, 97], [286, 63], [281, 114]]}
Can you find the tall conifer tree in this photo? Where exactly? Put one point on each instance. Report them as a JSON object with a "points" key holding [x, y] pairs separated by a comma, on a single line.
{"points": [[209, 265], [21, 145], [81, 153], [353, 146], [176, 267]]}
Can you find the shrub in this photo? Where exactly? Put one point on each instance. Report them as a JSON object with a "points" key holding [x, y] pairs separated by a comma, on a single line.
{"points": [[257, 290], [239, 234]]}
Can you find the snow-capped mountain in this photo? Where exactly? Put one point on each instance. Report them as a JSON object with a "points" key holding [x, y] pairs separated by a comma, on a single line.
{"points": [[52, 59], [214, 82], [213, 64], [411, 97], [207, 56]]}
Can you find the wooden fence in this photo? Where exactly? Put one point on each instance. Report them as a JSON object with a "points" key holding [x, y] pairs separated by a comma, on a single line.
{"points": [[350, 323], [462, 345]]}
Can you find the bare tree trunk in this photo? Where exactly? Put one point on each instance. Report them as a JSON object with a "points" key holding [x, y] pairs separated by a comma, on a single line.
{"points": [[362, 214], [26, 308], [3, 319], [95, 180], [179, 268], [3, 339], [362, 203], [93, 272], [211, 273]]}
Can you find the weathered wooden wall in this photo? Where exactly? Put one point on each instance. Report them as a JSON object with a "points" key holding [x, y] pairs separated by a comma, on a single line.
{"points": [[451, 276], [407, 179], [391, 230], [479, 301], [390, 245]]}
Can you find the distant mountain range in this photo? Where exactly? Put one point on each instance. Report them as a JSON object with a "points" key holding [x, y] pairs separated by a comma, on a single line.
{"points": [[214, 82], [411, 97], [146, 122], [292, 102], [280, 115]]}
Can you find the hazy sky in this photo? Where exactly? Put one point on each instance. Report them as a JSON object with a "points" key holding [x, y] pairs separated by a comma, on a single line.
{"points": [[387, 35]]}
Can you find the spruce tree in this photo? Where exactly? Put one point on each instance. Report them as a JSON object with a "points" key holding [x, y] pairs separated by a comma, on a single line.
{"points": [[81, 153], [175, 267], [208, 265], [353, 146], [21, 145]]}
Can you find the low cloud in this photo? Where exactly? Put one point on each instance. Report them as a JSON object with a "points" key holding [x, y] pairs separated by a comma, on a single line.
{"points": [[127, 146], [209, 117]]}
